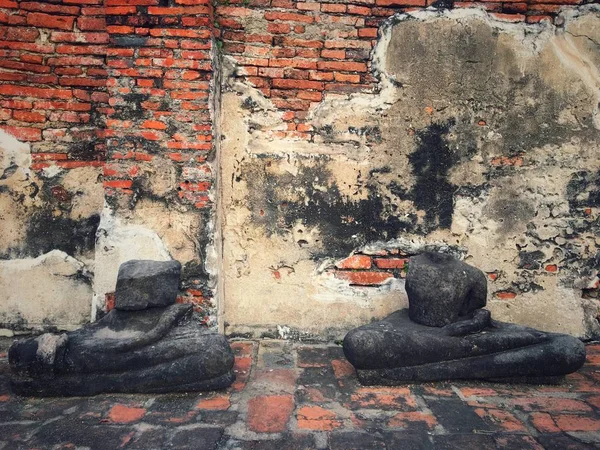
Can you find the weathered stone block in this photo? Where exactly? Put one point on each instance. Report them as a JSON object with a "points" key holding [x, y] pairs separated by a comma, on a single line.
{"points": [[142, 284]]}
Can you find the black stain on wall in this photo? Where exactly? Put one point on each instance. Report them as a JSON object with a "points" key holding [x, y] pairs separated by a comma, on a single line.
{"points": [[432, 192], [46, 232]]}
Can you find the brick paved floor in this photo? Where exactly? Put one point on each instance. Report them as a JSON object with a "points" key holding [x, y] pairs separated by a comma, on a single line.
{"points": [[300, 396]]}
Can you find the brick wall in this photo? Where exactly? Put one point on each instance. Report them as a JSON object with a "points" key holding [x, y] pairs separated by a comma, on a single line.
{"points": [[53, 79], [297, 51]]}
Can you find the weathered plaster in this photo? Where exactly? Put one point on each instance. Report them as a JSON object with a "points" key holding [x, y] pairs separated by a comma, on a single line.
{"points": [[483, 134], [48, 221]]}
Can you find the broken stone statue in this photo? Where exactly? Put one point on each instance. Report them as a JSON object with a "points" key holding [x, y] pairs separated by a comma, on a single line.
{"points": [[146, 344], [446, 334]]}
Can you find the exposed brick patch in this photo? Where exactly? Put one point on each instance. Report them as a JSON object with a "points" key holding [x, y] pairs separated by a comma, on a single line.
{"points": [[544, 422], [342, 368], [365, 278], [355, 262], [125, 414], [383, 398], [215, 403], [405, 419], [550, 404], [575, 422], [503, 419], [270, 414]]}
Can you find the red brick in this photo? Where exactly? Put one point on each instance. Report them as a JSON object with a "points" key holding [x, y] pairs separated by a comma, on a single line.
{"points": [[505, 295], [388, 399], [333, 54], [405, 419], [317, 418], [548, 404], [122, 184], [270, 414], [49, 8], [219, 403], [391, 263], [125, 414], [505, 420], [154, 124], [91, 23], [348, 66], [333, 8], [342, 368], [355, 262], [365, 278], [544, 423], [321, 76], [23, 133], [279, 28], [308, 6], [27, 116], [400, 3], [367, 32], [572, 422], [86, 38], [22, 34], [50, 21], [361, 10]]}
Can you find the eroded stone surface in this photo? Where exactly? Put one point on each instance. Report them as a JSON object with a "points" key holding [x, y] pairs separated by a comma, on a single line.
{"points": [[142, 284]]}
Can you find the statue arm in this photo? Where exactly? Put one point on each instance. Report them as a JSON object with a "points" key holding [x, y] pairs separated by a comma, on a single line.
{"points": [[480, 320]]}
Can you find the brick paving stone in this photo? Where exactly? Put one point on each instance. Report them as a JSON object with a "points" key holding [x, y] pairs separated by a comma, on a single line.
{"points": [[318, 356], [342, 368], [384, 398], [274, 380], [275, 355], [501, 420], [317, 418], [289, 441], [354, 440], [517, 442], [270, 413], [407, 440], [464, 442], [577, 422], [562, 442], [413, 419], [292, 396], [544, 422], [222, 402], [205, 438], [456, 417], [70, 434], [242, 348], [125, 414]]}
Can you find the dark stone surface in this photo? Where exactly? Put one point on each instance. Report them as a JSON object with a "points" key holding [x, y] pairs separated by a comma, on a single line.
{"points": [[446, 335], [157, 350], [441, 289], [142, 284]]}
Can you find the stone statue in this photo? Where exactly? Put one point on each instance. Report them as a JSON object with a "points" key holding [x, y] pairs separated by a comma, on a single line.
{"points": [[445, 334], [148, 343]]}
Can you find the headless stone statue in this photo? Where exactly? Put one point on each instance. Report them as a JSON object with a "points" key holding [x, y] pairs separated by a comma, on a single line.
{"points": [[445, 334], [148, 343]]}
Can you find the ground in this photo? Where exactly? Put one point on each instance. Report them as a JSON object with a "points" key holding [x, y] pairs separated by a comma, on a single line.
{"points": [[293, 395]]}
